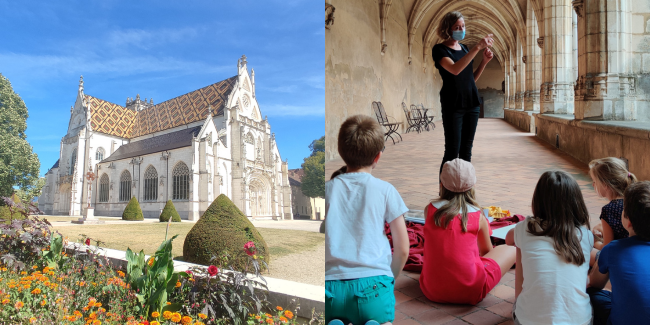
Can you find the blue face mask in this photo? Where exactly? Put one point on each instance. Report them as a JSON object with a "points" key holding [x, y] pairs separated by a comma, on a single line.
{"points": [[458, 35]]}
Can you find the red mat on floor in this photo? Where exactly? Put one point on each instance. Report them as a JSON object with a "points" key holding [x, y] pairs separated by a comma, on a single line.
{"points": [[416, 240]]}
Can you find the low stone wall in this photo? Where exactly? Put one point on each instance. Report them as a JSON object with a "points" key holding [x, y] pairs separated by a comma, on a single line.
{"points": [[588, 140], [523, 120], [281, 292]]}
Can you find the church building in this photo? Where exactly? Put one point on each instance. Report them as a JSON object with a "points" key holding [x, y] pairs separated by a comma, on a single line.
{"points": [[188, 149]]}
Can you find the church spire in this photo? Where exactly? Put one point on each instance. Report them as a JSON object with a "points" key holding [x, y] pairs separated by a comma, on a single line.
{"points": [[81, 83]]}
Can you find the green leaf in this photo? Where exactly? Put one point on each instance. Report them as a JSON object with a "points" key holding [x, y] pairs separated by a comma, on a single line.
{"points": [[172, 308]]}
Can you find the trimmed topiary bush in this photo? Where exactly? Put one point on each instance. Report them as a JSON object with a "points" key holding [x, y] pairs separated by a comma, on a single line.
{"points": [[223, 228], [132, 211], [169, 212]]}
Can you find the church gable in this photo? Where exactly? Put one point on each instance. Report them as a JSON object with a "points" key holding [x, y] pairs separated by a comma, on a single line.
{"points": [[184, 109], [110, 118]]}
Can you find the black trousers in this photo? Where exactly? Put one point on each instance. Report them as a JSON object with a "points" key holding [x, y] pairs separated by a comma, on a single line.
{"points": [[459, 125]]}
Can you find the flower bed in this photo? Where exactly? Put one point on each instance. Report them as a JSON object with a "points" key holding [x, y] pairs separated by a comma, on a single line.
{"points": [[45, 285]]}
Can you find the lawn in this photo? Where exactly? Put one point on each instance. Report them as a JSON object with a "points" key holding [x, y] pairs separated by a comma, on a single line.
{"points": [[148, 236]]}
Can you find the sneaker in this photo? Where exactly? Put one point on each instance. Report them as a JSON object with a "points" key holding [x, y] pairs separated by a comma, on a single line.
{"points": [[336, 322], [372, 322]]}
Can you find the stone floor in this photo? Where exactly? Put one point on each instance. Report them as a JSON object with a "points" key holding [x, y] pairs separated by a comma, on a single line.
{"points": [[508, 164]]}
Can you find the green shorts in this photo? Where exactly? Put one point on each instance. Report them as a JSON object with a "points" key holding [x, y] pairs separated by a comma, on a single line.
{"points": [[357, 301]]}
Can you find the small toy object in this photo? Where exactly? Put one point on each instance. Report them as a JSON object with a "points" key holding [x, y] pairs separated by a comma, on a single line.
{"points": [[497, 212]]}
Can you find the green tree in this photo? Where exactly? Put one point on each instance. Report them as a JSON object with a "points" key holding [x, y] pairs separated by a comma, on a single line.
{"points": [[313, 182], [32, 190], [19, 165]]}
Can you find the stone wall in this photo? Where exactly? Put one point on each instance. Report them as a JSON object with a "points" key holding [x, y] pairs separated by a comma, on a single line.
{"points": [[588, 140], [357, 73]]}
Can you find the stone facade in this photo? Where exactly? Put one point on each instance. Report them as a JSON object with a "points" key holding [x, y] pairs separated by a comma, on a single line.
{"points": [[304, 207], [189, 149]]}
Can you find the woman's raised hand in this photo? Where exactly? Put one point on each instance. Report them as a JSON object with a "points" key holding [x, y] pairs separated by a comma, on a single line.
{"points": [[487, 55], [485, 42]]}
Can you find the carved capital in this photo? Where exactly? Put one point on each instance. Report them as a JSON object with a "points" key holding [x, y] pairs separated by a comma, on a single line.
{"points": [[329, 15], [579, 7], [540, 42], [523, 59]]}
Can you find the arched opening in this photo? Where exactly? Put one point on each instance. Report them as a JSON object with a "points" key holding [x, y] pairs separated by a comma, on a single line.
{"points": [[181, 182], [260, 197], [125, 186], [103, 188], [73, 161], [249, 142], [99, 154], [150, 184]]}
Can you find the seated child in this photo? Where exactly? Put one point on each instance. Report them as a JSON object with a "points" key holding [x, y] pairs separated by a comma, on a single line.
{"points": [[552, 255], [626, 262], [610, 178], [359, 268], [460, 265]]}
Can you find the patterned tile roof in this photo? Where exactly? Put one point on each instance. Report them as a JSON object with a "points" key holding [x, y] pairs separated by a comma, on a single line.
{"points": [[184, 109], [109, 118], [120, 121]]}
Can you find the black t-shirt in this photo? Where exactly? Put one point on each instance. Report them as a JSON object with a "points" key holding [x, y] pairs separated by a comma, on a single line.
{"points": [[457, 91]]}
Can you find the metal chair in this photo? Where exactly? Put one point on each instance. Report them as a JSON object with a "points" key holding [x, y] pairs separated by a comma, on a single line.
{"points": [[382, 118], [418, 115], [429, 119], [412, 119]]}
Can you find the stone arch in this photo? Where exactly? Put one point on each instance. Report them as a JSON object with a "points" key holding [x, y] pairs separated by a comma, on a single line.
{"points": [[180, 181], [103, 188], [73, 160], [99, 154], [125, 186], [260, 195], [150, 184]]}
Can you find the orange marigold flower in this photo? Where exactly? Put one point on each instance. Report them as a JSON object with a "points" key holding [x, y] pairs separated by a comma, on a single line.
{"points": [[154, 323], [167, 314], [46, 269], [155, 314], [169, 303], [269, 321], [32, 319], [258, 317], [36, 291], [288, 313], [97, 322], [5, 301], [19, 305], [92, 316], [278, 308], [186, 320], [178, 284], [43, 303], [99, 304], [283, 319], [150, 262], [34, 267], [203, 316], [176, 318]]}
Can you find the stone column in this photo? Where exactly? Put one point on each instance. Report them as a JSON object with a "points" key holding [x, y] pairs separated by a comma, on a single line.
{"points": [[512, 88], [533, 62], [605, 89], [520, 74], [556, 92], [506, 78]]}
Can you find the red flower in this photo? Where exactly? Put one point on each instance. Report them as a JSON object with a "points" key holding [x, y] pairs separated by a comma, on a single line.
{"points": [[189, 272], [250, 248], [87, 241], [212, 270]]}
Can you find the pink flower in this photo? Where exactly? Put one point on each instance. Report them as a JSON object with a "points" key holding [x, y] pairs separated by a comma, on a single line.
{"points": [[189, 273], [250, 248], [213, 270]]}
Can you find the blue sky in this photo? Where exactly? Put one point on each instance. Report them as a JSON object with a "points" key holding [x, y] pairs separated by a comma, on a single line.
{"points": [[160, 50]]}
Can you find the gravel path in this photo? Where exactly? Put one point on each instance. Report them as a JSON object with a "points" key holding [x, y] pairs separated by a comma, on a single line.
{"points": [[304, 267]]}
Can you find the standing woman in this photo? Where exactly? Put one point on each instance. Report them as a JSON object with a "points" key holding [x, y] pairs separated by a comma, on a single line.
{"points": [[459, 96]]}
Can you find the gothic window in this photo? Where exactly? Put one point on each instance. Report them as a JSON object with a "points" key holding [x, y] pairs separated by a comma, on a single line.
{"points": [[250, 146], [99, 155], [258, 148], [181, 182], [150, 184], [73, 160], [249, 139], [125, 186], [103, 188]]}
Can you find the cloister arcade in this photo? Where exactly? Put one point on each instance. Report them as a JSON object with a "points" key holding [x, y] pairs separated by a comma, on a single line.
{"points": [[569, 71]]}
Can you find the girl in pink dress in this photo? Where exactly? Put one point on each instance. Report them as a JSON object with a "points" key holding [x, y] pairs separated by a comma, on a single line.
{"points": [[460, 264]]}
